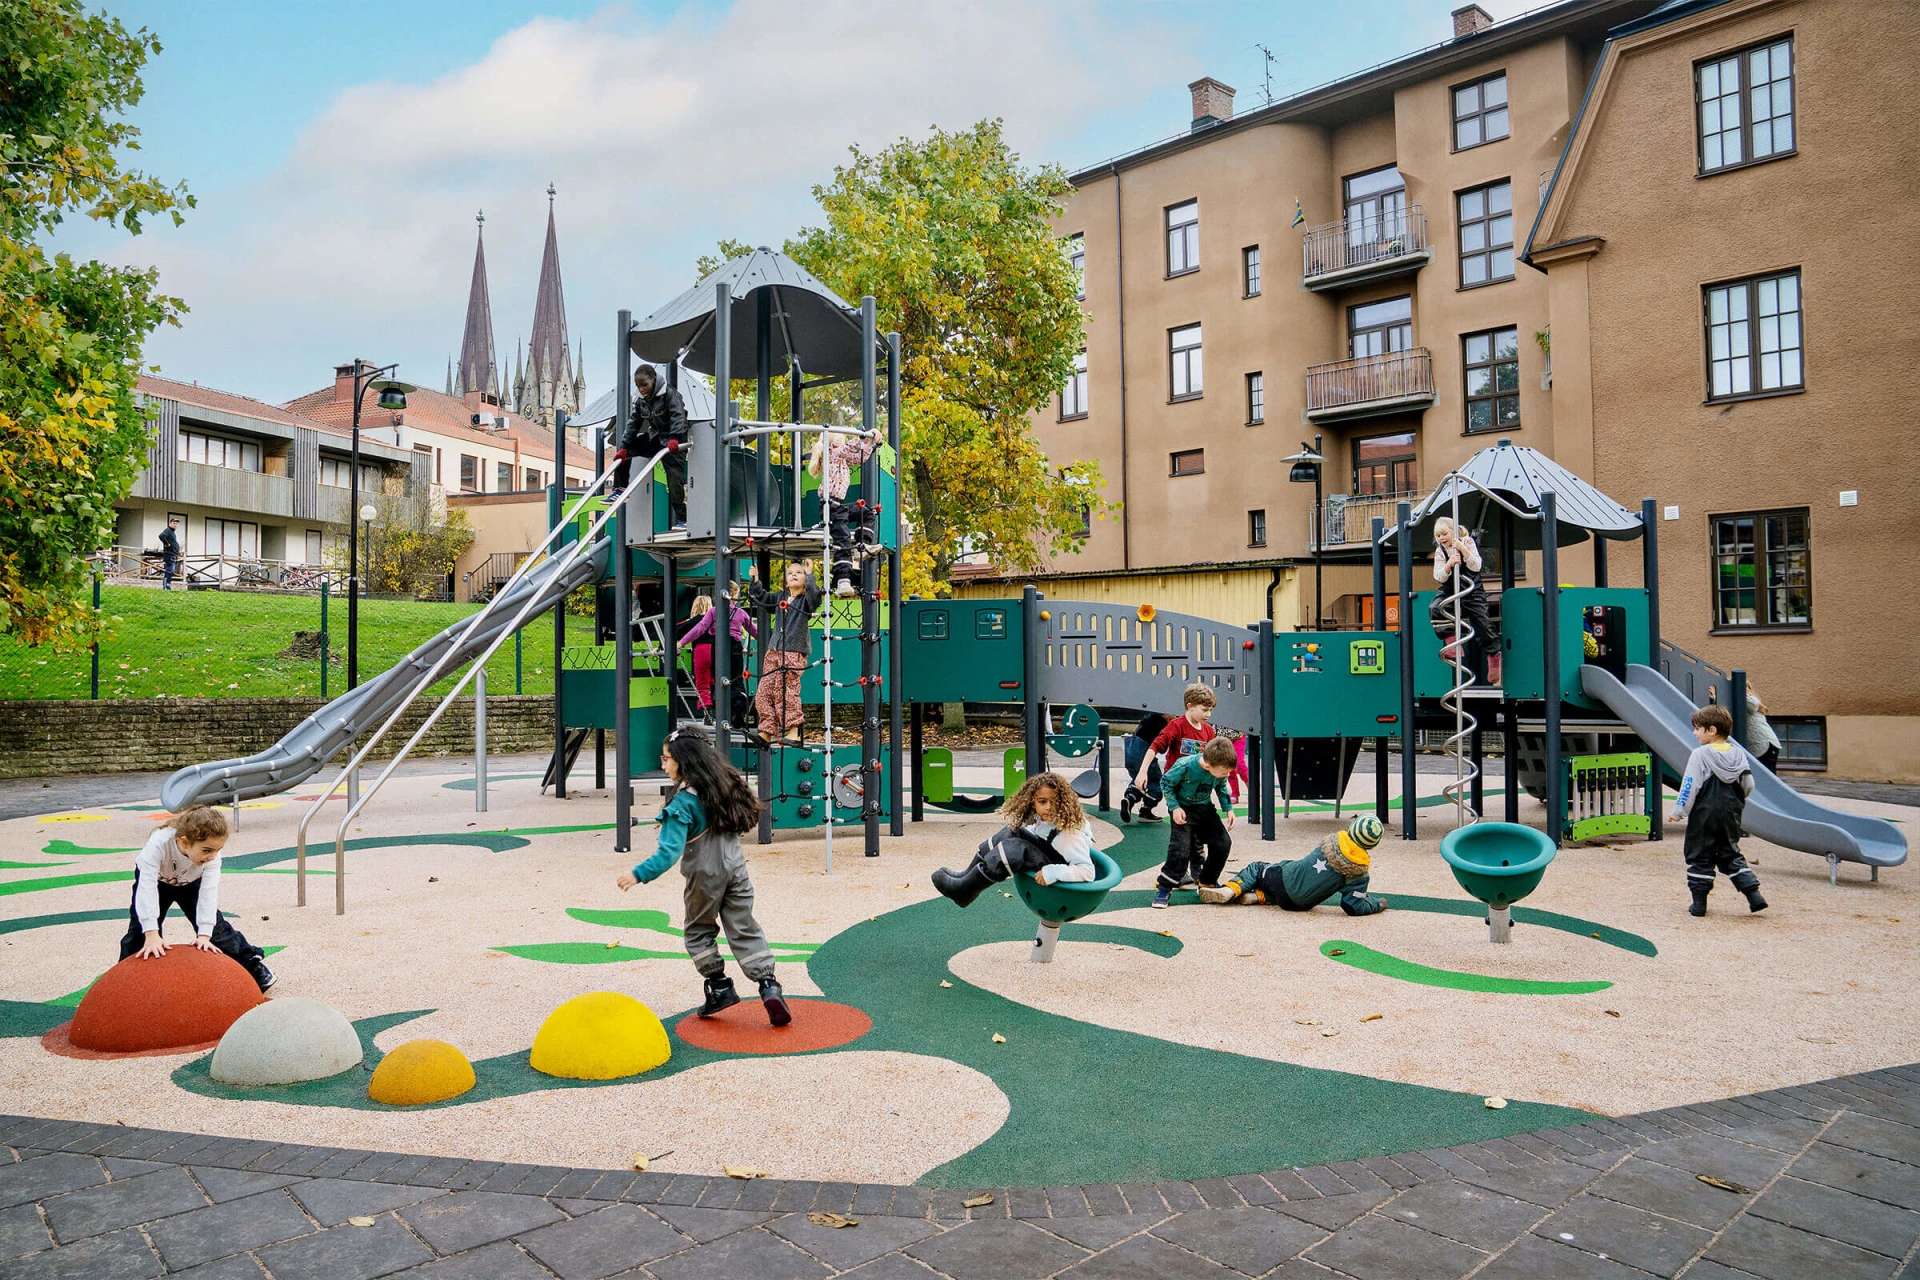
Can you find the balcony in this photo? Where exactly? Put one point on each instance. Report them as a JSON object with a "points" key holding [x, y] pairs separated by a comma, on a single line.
{"points": [[1369, 386], [1344, 253], [1346, 520], [227, 489]]}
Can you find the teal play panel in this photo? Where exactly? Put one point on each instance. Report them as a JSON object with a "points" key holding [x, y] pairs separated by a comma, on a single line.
{"points": [[586, 697], [1336, 684], [962, 650], [1497, 862], [803, 789]]}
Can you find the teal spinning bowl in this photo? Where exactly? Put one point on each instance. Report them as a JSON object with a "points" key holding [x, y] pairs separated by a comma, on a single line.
{"points": [[1497, 862], [1059, 904]]}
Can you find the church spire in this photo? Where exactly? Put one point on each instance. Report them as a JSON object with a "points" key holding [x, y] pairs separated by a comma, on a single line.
{"points": [[476, 370], [549, 384]]}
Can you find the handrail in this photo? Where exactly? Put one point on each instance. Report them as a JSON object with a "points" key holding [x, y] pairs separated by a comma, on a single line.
{"points": [[440, 663]]}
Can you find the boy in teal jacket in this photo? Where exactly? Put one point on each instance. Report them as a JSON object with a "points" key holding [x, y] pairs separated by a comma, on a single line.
{"points": [[1197, 799], [1339, 868]]}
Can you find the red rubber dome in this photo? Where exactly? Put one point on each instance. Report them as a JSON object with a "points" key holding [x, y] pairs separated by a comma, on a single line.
{"points": [[185, 999]]}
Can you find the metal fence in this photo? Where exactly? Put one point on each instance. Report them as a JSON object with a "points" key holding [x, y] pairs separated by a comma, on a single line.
{"points": [[1358, 242], [1382, 379], [244, 642]]}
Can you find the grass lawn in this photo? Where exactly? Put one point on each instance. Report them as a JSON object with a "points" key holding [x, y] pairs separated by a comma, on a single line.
{"points": [[217, 644]]}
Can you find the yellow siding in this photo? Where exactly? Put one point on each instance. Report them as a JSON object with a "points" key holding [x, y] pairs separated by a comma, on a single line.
{"points": [[1232, 595]]}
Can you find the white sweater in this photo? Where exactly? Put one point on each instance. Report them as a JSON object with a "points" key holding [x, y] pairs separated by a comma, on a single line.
{"points": [[162, 860], [1075, 846]]}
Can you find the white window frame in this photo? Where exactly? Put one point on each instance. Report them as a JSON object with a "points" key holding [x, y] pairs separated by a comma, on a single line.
{"points": [[1185, 373], [1073, 396], [1183, 238]]}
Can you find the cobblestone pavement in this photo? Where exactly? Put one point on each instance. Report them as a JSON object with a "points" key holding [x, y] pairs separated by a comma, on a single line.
{"points": [[1815, 1182]]}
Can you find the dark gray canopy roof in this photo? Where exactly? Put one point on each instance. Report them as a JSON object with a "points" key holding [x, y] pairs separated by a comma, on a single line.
{"points": [[1520, 475], [810, 321], [696, 392]]}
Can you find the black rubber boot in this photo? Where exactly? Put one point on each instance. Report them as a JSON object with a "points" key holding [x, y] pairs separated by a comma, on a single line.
{"points": [[720, 995], [1754, 901], [1699, 907], [965, 886], [776, 1001]]}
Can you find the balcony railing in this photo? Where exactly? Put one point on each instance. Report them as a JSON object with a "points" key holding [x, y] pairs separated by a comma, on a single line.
{"points": [[1356, 249], [1347, 519], [1370, 385]]}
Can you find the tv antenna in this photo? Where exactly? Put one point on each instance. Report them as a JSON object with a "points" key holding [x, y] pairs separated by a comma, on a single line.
{"points": [[1267, 71]]}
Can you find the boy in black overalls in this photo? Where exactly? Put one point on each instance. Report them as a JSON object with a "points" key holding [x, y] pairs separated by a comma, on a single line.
{"points": [[1713, 799]]}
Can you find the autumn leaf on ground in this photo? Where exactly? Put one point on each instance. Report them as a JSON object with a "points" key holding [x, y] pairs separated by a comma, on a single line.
{"points": [[975, 1202], [1495, 1104], [743, 1171], [360, 1222], [998, 1038], [832, 1220]]}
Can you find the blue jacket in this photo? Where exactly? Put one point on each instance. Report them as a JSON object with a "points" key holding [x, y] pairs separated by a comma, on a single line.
{"points": [[680, 821]]}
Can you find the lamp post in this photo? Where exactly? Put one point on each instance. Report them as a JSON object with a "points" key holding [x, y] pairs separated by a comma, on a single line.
{"points": [[393, 395], [367, 512], [1308, 465]]}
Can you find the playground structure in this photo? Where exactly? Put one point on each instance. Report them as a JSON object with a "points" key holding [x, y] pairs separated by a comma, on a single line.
{"points": [[1577, 664]]}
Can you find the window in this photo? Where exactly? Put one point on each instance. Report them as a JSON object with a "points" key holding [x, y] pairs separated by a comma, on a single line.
{"points": [[1192, 462], [1762, 570], [1493, 379], [1376, 214], [1384, 465], [1183, 238], [535, 480], [1486, 234], [1257, 528], [1746, 106], [1250, 270], [1375, 328], [503, 477], [1480, 112], [313, 547], [338, 473], [1803, 741], [239, 539], [1183, 347], [469, 472], [1748, 318], [439, 455], [1256, 399], [217, 451], [1073, 396], [1077, 260]]}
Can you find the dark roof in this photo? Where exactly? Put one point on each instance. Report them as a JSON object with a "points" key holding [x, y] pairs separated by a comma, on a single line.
{"points": [[810, 321], [547, 354], [1520, 475], [1370, 91], [696, 392]]}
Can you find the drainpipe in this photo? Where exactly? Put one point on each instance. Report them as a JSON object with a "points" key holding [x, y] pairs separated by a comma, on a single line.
{"points": [[1120, 310], [1272, 587]]}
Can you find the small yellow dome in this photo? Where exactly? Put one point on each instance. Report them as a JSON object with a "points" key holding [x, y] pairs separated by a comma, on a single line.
{"points": [[602, 1035], [419, 1072]]}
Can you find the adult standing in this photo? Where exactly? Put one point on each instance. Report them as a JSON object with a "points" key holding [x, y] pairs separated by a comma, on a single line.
{"points": [[659, 421], [169, 553], [1762, 743]]}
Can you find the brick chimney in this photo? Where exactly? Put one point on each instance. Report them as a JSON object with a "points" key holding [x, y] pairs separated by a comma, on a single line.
{"points": [[343, 384], [1212, 102], [1469, 19]]}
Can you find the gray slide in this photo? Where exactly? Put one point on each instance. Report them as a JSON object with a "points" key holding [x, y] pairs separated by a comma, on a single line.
{"points": [[1662, 716], [322, 735]]}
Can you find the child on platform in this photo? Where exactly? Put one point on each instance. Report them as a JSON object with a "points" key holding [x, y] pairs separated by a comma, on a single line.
{"points": [[1713, 800], [838, 453], [1047, 834], [1197, 843], [1337, 869], [181, 864], [710, 806]]}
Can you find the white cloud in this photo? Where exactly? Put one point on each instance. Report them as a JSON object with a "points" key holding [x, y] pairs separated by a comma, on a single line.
{"points": [[661, 140]]}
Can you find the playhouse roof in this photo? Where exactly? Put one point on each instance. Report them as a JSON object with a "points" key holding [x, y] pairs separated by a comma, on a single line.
{"points": [[696, 392], [810, 321], [1520, 475]]}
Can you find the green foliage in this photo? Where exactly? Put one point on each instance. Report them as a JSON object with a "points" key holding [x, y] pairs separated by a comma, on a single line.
{"points": [[410, 551], [73, 438], [954, 239]]}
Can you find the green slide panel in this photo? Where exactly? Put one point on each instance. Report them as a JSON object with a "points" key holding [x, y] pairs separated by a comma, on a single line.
{"points": [[936, 773], [1013, 770]]}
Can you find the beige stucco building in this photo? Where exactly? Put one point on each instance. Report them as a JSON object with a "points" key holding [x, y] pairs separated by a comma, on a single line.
{"points": [[1350, 265]]}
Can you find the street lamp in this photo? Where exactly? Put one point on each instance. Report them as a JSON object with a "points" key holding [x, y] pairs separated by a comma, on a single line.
{"points": [[367, 512], [1308, 465], [393, 396]]}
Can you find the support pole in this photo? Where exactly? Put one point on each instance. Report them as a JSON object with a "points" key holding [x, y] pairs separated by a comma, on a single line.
{"points": [[1510, 724], [1409, 734], [914, 714], [1737, 695], [95, 648], [1044, 941], [556, 511], [1286, 782], [1103, 760], [1253, 775], [869, 586], [326, 659], [1268, 683], [599, 759], [723, 518], [762, 507], [480, 741], [1650, 583], [669, 610], [896, 659], [1550, 640], [1032, 721], [622, 614], [1499, 924], [1599, 561], [1377, 529]]}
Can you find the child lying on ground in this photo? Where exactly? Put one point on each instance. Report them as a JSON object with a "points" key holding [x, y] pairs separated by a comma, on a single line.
{"points": [[1047, 833], [181, 864], [1337, 869]]}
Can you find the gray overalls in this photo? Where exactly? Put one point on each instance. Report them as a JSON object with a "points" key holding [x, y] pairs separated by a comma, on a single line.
{"points": [[719, 895]]}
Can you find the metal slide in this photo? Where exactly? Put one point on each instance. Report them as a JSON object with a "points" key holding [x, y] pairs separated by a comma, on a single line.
{"points": [[319, 737], [1662, 716]]}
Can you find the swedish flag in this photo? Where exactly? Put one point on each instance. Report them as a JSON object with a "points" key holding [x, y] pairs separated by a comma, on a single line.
{"points": [[1299, 213]]}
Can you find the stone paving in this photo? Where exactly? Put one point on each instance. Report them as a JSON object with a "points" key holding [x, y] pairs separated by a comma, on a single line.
{"points": [[1814, 1182]]}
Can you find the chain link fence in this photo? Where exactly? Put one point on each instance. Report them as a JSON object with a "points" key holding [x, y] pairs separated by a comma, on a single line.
{"points": [[239, 643]]}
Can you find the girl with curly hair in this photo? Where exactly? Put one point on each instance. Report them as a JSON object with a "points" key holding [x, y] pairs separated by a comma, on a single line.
{"points": [[1047, 834]]}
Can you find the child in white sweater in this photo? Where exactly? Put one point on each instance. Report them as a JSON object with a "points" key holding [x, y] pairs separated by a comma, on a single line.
{"points": [[181, 864], [1047, 834]]}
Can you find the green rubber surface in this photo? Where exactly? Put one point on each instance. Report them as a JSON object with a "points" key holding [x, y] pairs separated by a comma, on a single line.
{"points": [[1379, 962]]}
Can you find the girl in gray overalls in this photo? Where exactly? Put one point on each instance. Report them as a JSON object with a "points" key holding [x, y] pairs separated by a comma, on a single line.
{"points": [[710, 806]]}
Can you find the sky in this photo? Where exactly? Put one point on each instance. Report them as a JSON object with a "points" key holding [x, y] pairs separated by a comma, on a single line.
{"points": [[340, 151]]}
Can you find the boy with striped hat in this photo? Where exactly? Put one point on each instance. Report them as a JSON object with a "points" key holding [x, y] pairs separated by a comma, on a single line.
{"points": [[1337, 869]]}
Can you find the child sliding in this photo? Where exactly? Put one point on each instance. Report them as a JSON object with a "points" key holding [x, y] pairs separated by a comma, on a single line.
{"points": [[710, 806]]}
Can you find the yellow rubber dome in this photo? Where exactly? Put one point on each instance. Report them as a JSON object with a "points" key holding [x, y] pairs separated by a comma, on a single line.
{"points": [[602, 1035], [419, 1072]]}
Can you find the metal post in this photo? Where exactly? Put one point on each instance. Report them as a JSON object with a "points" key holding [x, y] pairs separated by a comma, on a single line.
{"points": [[669, 612], [1499, 924], [599, 759], [1409, 732], [1103, 760], [480, 741], [763, 403], [1737, 695], [1550, 640], [96, 644], [236, 806], [1286, 782], [622, 608], [1319, 543], [896, 660], [556, 511], [1510, 725], [870, 584], [353, 545], [1599, 561], [796, 444], [325, 661], [723, 516], [918, 764], [1033, 721], [1268, 683], [517, 669], [1375, 532], [1044, 942], [1253, 773], [1650, 583]]}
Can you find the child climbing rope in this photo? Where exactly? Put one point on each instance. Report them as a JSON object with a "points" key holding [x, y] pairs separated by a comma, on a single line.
{"points": [[710, 805], [786, 657], [1047, 834], [1338, 868], [181, 864]]}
